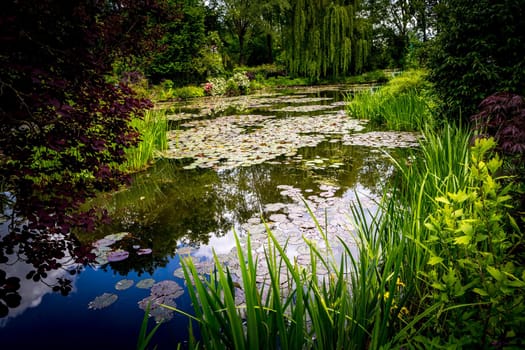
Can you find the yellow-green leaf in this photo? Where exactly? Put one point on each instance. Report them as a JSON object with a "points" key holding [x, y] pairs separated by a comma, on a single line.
{"points": [[459, 196], [481, 292], [442, 200], [439, 286], [495, 273], [466, 228], [435, 260], [462, 239]]}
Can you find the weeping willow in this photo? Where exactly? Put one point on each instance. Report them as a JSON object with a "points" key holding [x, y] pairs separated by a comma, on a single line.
{"points": [[326, 38]]}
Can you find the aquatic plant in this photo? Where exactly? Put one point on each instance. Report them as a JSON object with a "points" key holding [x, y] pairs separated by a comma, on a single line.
{"points": [[401, 104], [153, 130], [397, 290]]}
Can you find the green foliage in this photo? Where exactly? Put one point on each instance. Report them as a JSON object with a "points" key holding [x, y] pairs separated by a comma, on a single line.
{"points": [[145, 336], [326, 39], [474, 272], [239, 84], [165, 91], [478, 51], [402, 104], [190, 91], [184, 58], [215, 87], [153, 130]]}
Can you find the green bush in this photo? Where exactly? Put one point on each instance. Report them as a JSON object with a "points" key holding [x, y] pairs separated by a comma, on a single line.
{"points": [[474, 272], [188, 92], [478, 51], [215, 87], [239, 84]]}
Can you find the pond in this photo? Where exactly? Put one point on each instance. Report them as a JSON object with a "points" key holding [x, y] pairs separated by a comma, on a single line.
{"points": [[234, 165]]}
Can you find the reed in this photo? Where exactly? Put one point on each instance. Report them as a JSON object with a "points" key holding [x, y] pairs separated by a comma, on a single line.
{"points": [[403, 104], [153, 130]]}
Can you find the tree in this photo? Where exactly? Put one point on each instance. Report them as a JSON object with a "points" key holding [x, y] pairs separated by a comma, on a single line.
{"points": [[183, 42], [240, 17], [479, 51], [64, 128], [326, 38]]}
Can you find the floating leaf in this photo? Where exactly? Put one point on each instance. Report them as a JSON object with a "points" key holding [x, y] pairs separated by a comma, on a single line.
{"points": [[102, 301], [104, 242], [145, 283], [117, 255], [118, 236], [123, 284], [144, 251], [167, 288]]}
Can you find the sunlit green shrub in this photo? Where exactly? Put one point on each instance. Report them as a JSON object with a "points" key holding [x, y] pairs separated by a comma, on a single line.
{"points": [[215, 86], [186, 92], [474, 274]]}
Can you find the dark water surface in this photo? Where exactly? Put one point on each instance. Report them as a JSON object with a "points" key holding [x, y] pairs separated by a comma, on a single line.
{"points": [[173, 211]]}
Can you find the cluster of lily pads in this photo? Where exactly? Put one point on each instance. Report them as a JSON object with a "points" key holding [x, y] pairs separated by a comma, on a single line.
{"points": [[163, 292], [107, 299], [224, 143], [105, 253], [318, 216], [231, 141]]}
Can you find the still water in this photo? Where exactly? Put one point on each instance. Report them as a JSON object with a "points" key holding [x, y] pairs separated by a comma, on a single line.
{"points": [[233, 165]]}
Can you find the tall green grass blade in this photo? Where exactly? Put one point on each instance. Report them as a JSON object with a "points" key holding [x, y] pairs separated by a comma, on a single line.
{"points": [[145, 337]]}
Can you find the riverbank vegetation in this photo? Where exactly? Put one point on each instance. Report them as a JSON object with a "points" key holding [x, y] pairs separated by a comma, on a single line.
{"points": [[439, 265], [403, 103]]}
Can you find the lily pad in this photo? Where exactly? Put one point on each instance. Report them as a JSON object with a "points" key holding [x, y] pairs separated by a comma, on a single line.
{"points": [[117, 255], [123, 284], [118, 236], [102, 301], [104, 242], [144, 251], [145, 283], [167, 288]]}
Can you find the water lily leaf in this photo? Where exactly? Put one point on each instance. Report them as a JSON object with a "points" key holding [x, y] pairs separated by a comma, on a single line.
{"points": [[167, 288], [144, 251], [117, 255], [124, 284], [118, 236], [145, 283], [158, 312], [102, 301], [278, 218], [104, 242]]}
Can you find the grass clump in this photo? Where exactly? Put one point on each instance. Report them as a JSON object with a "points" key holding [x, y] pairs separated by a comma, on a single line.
{"points": [[402, 104], [153, 129]]}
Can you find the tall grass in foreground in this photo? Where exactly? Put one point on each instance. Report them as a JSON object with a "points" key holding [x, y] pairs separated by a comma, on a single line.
{"points": [[153, 130]]}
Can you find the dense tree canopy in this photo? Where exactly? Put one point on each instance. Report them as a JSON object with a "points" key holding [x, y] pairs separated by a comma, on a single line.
{"points": [[479, 51], [63, 126], [183, 43], [326, 38]]}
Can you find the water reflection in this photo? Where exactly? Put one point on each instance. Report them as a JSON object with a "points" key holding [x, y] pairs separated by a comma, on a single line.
{"points": [[169, 207], [176, 211]]}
